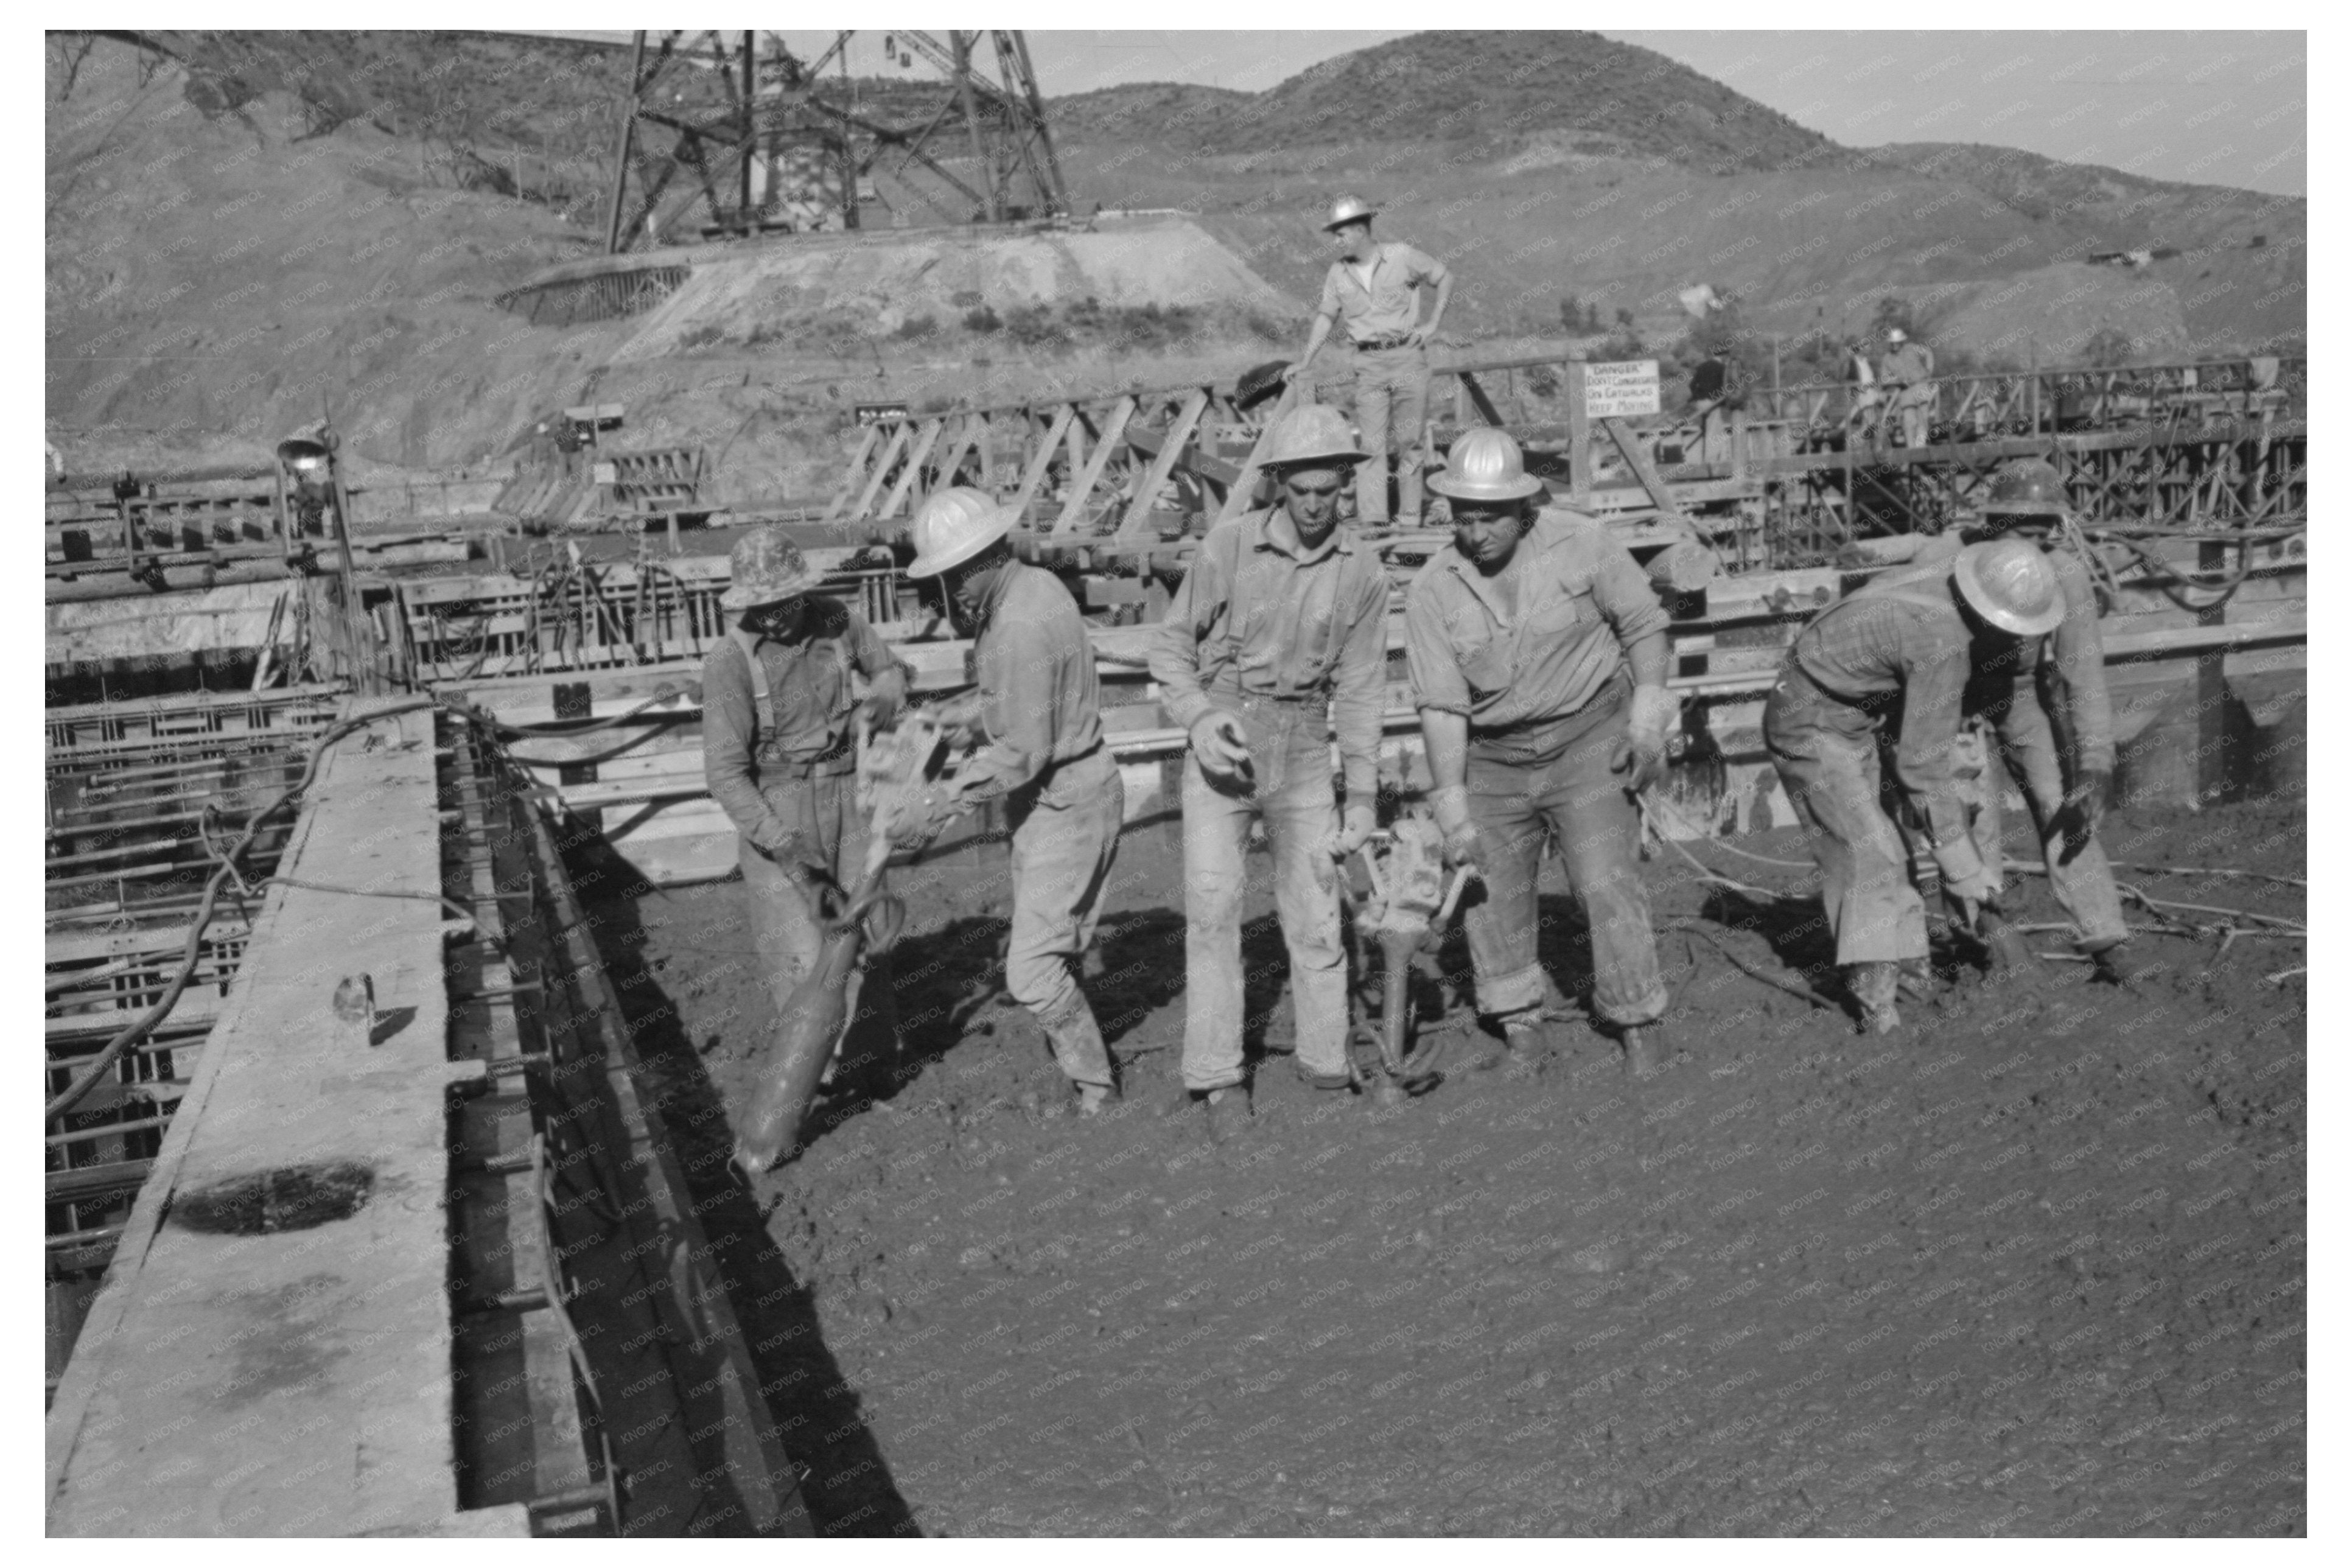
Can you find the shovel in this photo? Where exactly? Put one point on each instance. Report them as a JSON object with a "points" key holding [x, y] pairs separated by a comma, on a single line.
{"points": [[2012, 957]]}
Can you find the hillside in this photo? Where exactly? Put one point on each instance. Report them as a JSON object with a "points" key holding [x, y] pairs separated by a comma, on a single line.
{"points": [[246, 225]]}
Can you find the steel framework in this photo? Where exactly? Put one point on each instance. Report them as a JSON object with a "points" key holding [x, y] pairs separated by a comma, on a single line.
{"points": [[708, 113]]}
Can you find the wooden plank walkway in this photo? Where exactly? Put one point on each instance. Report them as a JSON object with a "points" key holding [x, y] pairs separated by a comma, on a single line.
{"points": [[295, 1381]]}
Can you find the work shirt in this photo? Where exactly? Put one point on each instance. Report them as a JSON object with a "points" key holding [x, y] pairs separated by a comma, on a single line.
{"points": [[1040, 701], [1582, 603], [802, 726], [1899, 642], [1389, 306], [1260, 614], [1906, 362], [2071, 663]]}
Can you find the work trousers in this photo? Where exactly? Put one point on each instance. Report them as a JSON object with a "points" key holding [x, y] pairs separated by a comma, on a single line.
{"points": [[2028, 745], [1912, 410], [784, 930], [1392, 406], [1553, 779], [1827, 755], [1290, 785], [1065, 834]]}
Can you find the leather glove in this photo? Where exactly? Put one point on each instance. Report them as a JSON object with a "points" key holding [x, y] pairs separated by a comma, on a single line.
{"points": [[1978, 887], [1642, 754], [2091, 787], [1355, 828], [885, 697], [1452, 806], [959, 720], [1221, 744]]}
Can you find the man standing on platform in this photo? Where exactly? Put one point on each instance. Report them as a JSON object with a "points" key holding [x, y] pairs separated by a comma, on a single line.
{"points": [[1906, 377], [778, 752], [1037, 717], [1375, 289], [1276, 638], [1539, 658]]}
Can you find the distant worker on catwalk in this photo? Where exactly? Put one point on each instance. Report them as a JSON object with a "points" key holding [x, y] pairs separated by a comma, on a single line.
{"points": [[1375, 290], [779, 752], [1036, 720], [2049, 719], [1907, 643], [1276, 638], [1907, 376], [1538, 659]]}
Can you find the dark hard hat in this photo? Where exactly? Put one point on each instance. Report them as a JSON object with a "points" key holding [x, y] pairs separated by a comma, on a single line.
{"points": [[1259, 383], [2028, 487]]}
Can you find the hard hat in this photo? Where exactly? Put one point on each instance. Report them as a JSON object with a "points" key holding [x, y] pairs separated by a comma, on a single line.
{"points": [[764, 568], [1259, 383], [2027, 488], [1316, 433], [1348, 210], [2011, 584], [953, 526], [1897, 335], [1485, 465]]}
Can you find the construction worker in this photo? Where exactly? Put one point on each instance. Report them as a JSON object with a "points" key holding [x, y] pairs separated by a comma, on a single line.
{"points": [[778, 752], [1908, 642], [1375, 289], [1907, 378], [1538, 659], [1035, 718], [2049, 719], [1276, 637]]}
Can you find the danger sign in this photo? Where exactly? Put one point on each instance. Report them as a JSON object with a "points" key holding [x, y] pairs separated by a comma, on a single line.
{"points": [[1623, 387]]}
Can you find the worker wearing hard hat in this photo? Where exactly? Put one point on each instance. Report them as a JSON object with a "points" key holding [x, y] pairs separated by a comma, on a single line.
{"points": [[1909, 643], [1036, 718], [1907, 376], [2048, 718], [1375, 289], [1539, 660], [780, 701], [1276, 638]]}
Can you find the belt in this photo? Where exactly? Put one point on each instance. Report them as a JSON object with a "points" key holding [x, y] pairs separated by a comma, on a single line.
{"points": [[839, 764], [1393, 340]]}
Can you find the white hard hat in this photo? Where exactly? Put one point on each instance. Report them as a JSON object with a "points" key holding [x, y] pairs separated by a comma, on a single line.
{"points": [[1897, 335], [1484, 464], [2011, 584], [953, 526], [1348, 210]]}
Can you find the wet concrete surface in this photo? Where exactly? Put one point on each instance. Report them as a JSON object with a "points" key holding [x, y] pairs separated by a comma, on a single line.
{"points": [[2033, 1266]]}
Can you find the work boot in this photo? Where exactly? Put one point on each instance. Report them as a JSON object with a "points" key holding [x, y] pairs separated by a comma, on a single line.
{"points": [[1093, 1097], [2110, 965], [1228, 1113], [1322, 1080], [1874, 986], [1648, 1050]]}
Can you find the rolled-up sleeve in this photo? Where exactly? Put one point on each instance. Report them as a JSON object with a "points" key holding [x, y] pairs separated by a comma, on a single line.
{"points": [[1429, 653], [1359, 691], [1423, 268], [1175, 654], [729, 720], [1018, 713], [1623, 594], [1329, 305], [871, 654]]}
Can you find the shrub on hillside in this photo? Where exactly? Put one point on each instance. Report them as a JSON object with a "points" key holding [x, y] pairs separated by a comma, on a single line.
{"points": [[980, 318]]}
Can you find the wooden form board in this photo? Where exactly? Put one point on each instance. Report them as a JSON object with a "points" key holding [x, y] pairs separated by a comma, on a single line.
{"points": [[297, 1381]]}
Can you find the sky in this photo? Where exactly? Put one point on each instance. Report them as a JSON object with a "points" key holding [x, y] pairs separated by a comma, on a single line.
{"points": [[2213, 108]]}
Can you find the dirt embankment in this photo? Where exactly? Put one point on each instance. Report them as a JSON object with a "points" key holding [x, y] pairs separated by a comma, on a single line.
{"points": [[2035, 1266]]}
